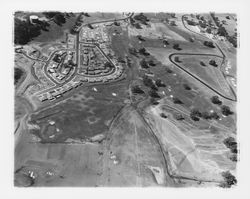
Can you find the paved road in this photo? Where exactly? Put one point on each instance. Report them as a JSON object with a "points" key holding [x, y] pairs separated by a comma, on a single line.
{"points": [[223, 57], [194, 76]]}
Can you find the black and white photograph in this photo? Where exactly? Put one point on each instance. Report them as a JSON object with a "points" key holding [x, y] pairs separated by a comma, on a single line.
{"points": [[125, 98]]}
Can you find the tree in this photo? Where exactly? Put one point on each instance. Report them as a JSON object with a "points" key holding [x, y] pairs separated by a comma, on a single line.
{"points": [[195, 114], [179, 117], [137, 90], [177, 100], [172, 15], [222, 31], [202, 63], [85, 14], [215, 116], [163, 115], [191, 23], [24, 31], [90, 26], [141, 17], [159, 83], [151, 62], [132, 51], [144, 64], [205, 115], [121, 60], [147, 81], [59, 19], [116, 23], [215, 100], [18, 73], [137, 26], [108, 65], [208, 30], [176, 47], [226, 110], [143, 51], [191, 39], [233, 157], [187, 87], [229, 179], [213, 63], [172, 23], [140, 38], [169, 70], [153, 101], [209, 44], [231, 144], [165, 42], [153, 93]]}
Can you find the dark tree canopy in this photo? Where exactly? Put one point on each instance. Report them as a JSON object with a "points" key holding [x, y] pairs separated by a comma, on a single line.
{"points": [[216, 100], [159, 83], [18, 73], [187, 87], [231, 144], [154, 94], [177, 100], [137, 90], [163, 115], [25, 31], [179, 117], [143, 51], [195, 114], [229, 179], [209, 44], [226, 110], [144, 64]]}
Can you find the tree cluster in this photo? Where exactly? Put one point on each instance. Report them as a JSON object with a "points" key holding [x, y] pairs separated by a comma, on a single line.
{"points": [[144, 52], [26, 31], [149, 83], [231, 144], [229, 179], [196, 115], [58, 17], [209, 44], [226, 110], [142, 18], [153, 93], [144, 64]]}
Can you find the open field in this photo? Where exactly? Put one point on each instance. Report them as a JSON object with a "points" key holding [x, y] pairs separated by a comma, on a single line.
{"points": [[195, 154]]}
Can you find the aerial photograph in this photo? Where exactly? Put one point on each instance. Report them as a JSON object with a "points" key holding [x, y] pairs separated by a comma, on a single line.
{"points": [[125, 99]]}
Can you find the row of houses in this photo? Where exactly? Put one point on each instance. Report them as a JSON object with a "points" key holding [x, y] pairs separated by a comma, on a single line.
{"points": [[58, 92]]}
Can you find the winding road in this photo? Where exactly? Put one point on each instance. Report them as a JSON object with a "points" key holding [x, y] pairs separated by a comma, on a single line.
{"points": [[200, 80]]}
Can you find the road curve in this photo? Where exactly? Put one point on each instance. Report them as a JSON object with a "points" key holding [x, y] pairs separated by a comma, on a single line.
{"points": [[223, 61], [195, 77]]}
